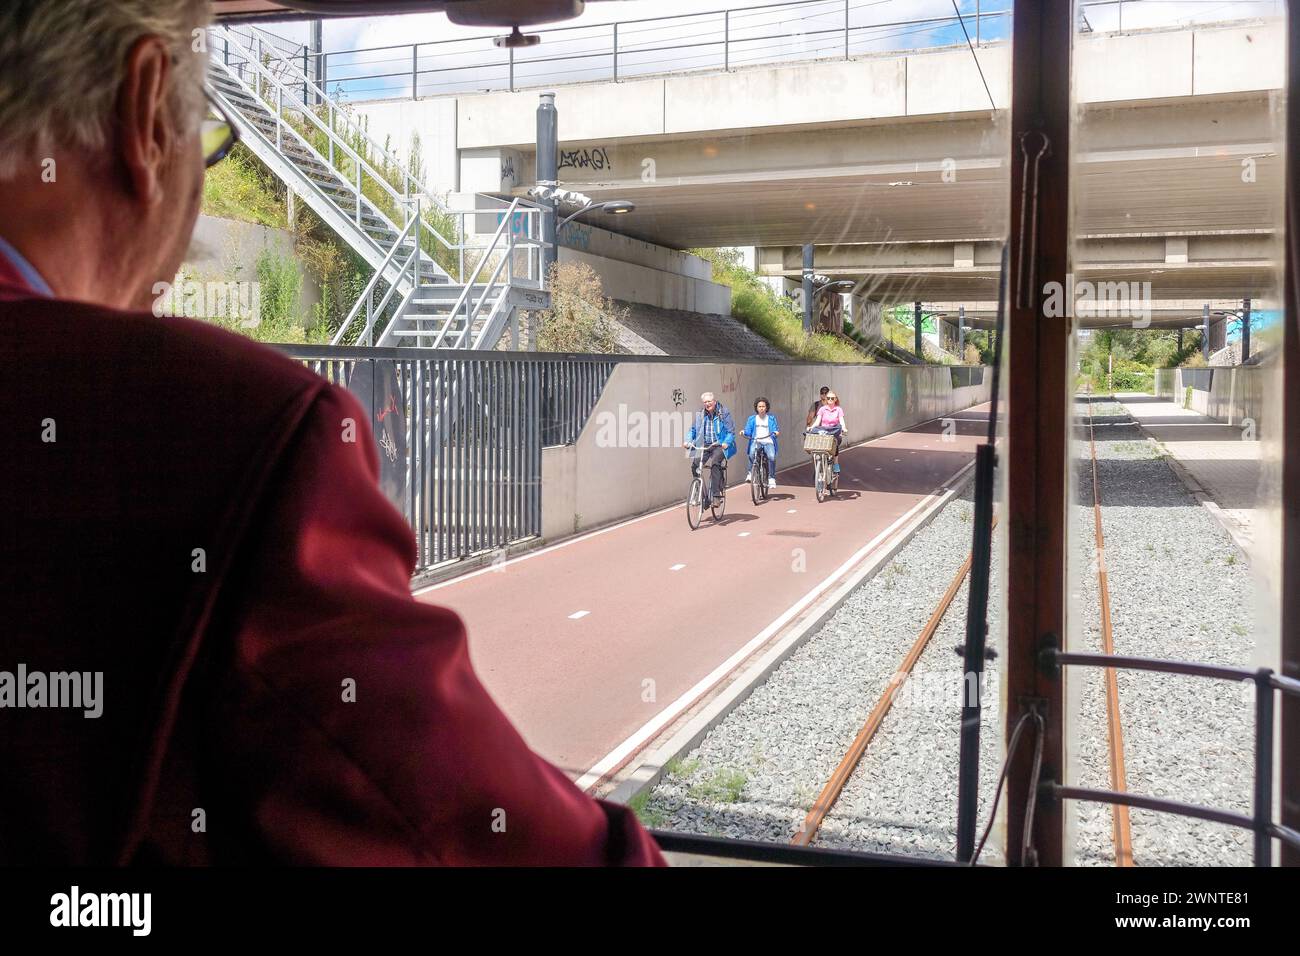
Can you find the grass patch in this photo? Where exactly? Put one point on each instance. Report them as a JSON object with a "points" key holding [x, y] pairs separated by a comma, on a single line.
{"points": [[241, 188], [679, 769], [649, 816], [724, 786]]}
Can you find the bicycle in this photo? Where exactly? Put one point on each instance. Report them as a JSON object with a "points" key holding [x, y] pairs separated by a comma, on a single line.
{"points": [[758, 489], [821, 446], [696, 498]]}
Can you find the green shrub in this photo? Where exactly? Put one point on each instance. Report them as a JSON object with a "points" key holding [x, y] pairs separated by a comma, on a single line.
{"points": [[580, 318]]}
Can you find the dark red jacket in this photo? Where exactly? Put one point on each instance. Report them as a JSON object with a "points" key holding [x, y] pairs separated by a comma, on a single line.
{"points": [[225, 736]]}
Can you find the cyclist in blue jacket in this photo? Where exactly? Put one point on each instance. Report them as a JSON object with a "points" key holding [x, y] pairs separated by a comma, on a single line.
{"points": [[762, 430], [712, 425]]}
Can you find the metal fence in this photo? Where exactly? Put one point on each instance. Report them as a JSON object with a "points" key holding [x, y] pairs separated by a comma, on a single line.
{"points": [[716, 39], [569, 391], [460, 438], [966, 375], [712, 40]]}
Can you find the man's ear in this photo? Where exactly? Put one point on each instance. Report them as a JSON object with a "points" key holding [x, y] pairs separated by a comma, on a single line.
{"points": [[143, 120]]}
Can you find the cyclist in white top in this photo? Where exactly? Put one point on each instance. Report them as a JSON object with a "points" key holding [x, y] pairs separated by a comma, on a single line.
{"points": [[762, 430]]}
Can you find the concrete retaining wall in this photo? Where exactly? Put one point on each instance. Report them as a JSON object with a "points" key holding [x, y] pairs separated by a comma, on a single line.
{"points": [[630, 282], [1236, 392], [225, 250], [628, 459]]}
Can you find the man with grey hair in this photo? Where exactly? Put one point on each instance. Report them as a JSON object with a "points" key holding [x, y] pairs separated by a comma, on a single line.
{"points": [[197, 517], [713, 432]]}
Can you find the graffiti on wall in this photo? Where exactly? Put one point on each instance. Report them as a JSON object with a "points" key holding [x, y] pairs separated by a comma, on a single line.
{"points": [[596, 157]]}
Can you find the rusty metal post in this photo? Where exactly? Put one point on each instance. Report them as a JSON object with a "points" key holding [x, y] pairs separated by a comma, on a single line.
{"points": [[1037, 413]]}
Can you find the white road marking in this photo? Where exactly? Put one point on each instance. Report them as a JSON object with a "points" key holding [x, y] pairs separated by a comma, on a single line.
{"points": [[791, 511], [578, 614], [677, 567], [743, 534]]}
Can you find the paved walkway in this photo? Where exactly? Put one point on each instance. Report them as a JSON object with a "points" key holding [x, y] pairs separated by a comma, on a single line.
{"points": [[1218, 457], [586, 643]]}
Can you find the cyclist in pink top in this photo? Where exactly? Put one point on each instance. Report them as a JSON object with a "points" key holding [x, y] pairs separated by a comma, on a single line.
{"points": [[830, 421]]}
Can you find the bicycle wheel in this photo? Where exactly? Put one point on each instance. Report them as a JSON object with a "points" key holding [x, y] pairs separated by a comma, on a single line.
{"points": [[758, 481], [695, 504], [819, 477], [719, 507]]}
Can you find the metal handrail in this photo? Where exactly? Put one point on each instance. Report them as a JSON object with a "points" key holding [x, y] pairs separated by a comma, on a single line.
{"points": [[728, 17], [1266, 682], [369, 288], [460, 301], [619, 31], [305, 182], [303, 79]]}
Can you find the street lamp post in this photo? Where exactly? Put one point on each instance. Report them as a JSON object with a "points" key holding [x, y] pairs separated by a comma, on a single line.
{"points": [[1245, 330], [546, 173], [916, 318]]}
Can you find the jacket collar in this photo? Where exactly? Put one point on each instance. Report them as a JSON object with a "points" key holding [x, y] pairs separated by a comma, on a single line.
{"points": [[18, 276]]}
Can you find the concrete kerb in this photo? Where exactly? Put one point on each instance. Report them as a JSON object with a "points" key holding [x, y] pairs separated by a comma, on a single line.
{"points": [[687, 732]]}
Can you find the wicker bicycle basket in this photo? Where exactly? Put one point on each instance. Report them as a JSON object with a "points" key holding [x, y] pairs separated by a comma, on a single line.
{"points": [[819, 444]]}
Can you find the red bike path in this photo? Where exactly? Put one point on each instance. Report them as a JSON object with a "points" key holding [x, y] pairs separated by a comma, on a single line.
{"points": [[585, 642]]}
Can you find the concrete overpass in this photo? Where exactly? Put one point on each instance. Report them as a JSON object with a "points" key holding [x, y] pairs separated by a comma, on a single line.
{"points": [[896, 166]]}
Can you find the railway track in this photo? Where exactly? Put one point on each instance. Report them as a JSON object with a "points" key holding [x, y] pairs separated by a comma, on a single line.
{"points": [[1121, 825], [830, 793]]}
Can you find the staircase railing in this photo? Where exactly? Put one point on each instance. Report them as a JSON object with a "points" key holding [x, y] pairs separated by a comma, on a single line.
{"points": [[367, 296], [532, 231], [401, 274], [411, 185], [283, 92]]}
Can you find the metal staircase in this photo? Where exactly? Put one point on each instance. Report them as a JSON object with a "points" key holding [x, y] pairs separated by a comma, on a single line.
{"points": [[411, 299]]}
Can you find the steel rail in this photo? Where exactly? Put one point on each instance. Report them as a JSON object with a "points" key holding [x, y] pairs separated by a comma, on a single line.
{"points": [[853, 756], [1121, 827]]}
